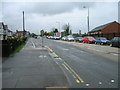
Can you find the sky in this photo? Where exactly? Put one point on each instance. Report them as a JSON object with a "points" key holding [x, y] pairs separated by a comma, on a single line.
{"points": [[48, 15]]}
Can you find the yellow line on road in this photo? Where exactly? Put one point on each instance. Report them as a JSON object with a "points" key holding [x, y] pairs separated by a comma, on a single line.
{"points": [[57, 57], [78, 81], [67, 67], [79, 78], [50, 50]]}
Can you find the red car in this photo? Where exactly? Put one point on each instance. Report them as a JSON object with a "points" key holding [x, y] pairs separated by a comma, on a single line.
{"points": [[88, 39]]}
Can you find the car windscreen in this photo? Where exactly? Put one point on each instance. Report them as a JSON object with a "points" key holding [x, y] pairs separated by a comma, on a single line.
{"points": [[103, 39], [90, 37]]}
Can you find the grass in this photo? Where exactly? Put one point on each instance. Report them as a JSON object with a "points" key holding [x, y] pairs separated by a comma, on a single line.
{"points": [[18, 49]]}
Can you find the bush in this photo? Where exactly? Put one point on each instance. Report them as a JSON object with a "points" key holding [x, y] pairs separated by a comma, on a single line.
{"points": [[11, 44]]}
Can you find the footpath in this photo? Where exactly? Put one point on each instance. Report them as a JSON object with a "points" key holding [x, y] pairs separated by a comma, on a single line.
{"points": [[32, 68]]}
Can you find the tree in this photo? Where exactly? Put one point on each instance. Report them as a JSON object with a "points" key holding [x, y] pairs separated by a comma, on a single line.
{"points": [[67, 29], [55, 30], [42, 32], [70, 32], [45, 33]]}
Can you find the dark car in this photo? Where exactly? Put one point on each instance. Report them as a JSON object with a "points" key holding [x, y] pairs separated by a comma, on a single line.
{"points": [[101, 40], [78, 39], [115, 42]]}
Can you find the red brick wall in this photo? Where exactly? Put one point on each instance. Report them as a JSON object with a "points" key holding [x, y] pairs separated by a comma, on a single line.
{"points": [[112, 28]]}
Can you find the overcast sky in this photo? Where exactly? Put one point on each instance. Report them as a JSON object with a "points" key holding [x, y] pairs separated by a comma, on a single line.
{"points": [[47, 15]]}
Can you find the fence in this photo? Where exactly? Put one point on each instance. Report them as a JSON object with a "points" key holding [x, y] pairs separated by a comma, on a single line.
{"points": [[9, 46], [109, 36]]}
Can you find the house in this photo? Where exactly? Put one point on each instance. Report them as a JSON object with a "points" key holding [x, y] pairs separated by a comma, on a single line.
{"points": [[57, 34], [8, 32], [1, 30], [21, 34], [108, 30], [4, 31]]}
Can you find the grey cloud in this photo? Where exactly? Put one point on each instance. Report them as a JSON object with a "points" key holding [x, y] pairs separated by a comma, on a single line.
{"points": [[54, 7]]}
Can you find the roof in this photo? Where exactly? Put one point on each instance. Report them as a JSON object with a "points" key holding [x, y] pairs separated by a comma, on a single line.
{"points": [[99, 28], [5, 27], [1, 24]]}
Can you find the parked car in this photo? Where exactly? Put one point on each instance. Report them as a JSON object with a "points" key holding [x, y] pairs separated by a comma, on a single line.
{"points": [[101, 40], [70, 38], [50, 37], [56, 37], [78, 39], [88, 39], [64, 38], [115, 42]]}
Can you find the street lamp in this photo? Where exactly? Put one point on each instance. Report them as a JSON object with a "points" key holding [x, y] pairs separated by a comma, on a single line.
{"points": [[87, 18]]}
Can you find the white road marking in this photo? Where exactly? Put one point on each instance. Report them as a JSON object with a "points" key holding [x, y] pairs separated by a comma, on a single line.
{"points": [[42, 56], [100, 83], [112, 81], [87, 85], [65, 49], [33, 44], [115, 54]]}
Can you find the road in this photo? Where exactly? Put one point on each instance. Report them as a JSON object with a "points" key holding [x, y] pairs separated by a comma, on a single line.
{"points": [[58, 64]]}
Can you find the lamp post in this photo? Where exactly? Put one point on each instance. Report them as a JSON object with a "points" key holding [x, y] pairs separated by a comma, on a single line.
{"points": [[87, 18]]}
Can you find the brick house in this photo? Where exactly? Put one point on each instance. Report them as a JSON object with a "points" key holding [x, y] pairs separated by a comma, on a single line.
{"points": [[21, 34], [108, 30]]}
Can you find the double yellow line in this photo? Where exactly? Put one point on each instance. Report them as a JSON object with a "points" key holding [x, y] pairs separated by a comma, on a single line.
{"points": [[55, 55], [74, 74], [67, 67]]}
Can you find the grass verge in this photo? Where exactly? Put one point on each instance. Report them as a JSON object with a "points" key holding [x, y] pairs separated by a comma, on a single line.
{"points": [[18, 49]]}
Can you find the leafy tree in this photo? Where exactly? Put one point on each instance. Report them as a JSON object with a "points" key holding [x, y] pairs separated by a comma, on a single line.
{"points": [[42, 33], [56, 30], [70, 32], [67, 29]]}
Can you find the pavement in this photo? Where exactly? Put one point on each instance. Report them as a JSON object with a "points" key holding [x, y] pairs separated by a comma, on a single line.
{"points": [[60, 64], [32, 67]]}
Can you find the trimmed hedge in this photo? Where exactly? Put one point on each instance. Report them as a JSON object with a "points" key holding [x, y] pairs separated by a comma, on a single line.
{"points": [[10, 45]]}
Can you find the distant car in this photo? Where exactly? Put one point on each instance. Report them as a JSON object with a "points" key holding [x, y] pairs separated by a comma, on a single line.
{"points": [[101, 40], [64, 38], [78, 39], [56, 37], [70, 38], [115, 42], [50, 37], [88, 39]]}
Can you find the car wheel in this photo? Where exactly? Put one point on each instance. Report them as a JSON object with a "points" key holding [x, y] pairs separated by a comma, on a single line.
{"points": [[101, 43], [111, 45]]}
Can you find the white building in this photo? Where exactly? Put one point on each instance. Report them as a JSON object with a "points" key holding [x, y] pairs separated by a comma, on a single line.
{"points": [[4, 31]]}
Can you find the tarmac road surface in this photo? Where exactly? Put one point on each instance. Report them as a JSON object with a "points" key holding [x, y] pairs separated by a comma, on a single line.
{"points": [[58, 64]]}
